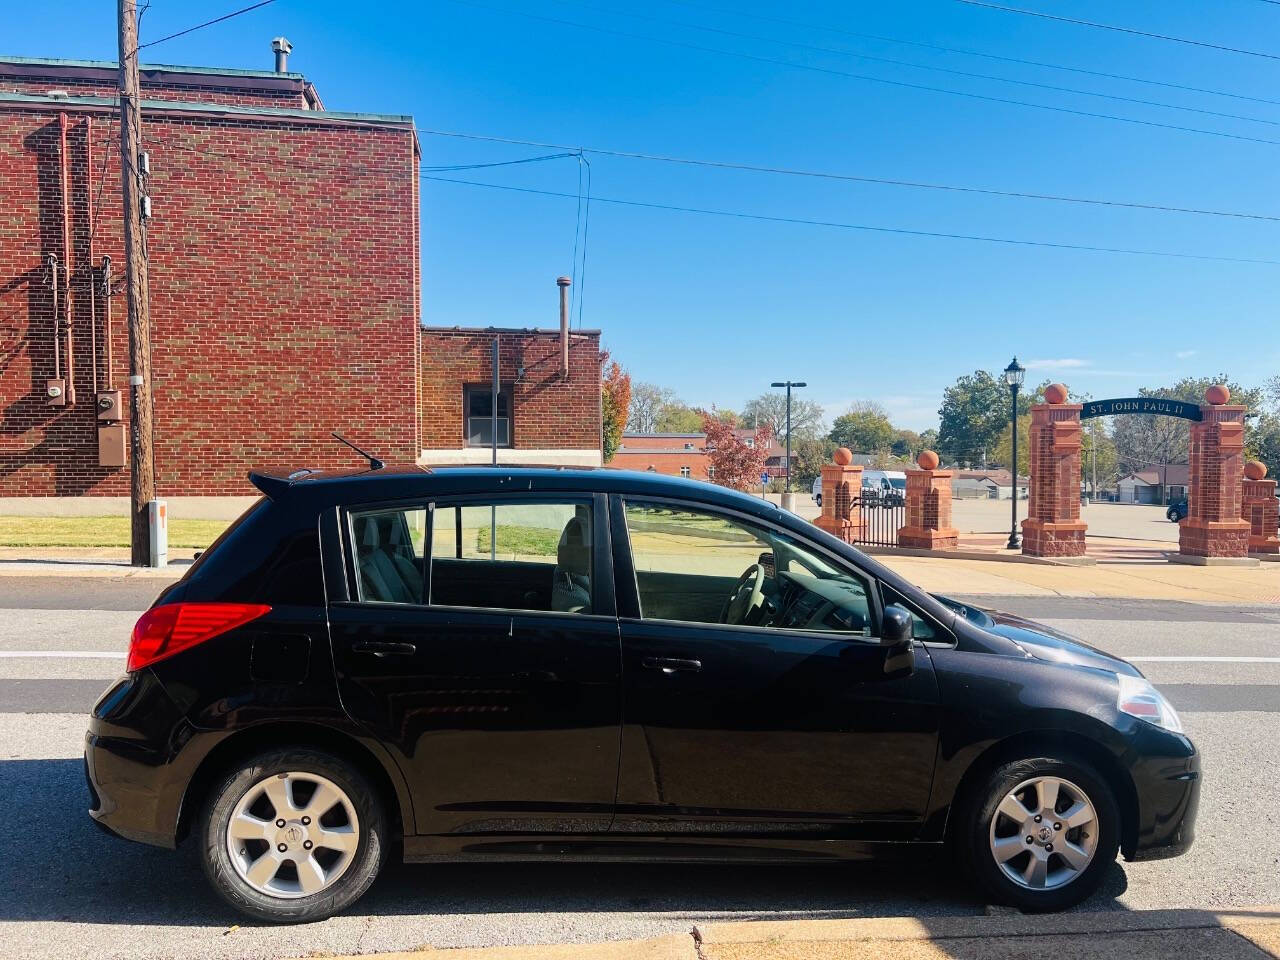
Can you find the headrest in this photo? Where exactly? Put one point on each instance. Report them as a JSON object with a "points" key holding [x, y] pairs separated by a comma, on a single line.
{"points": [[370, 538], [573, 554]]}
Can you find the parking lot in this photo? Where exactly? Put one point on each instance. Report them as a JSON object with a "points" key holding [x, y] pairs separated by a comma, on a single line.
{"points": [[67, 889]]}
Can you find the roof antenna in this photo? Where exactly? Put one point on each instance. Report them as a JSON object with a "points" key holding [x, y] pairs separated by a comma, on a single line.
{"points": [[374, 462]]}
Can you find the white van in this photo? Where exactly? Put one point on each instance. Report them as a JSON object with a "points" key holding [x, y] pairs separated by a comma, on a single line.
{"points": [[888, 486]]}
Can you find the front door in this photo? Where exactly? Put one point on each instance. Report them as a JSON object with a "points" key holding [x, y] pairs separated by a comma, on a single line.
{"points": [[482, 649], [757, 699]]}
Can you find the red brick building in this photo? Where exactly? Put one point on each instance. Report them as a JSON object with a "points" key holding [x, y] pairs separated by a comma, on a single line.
{"points": [[283, 254], [672, 454], [546, 414]]}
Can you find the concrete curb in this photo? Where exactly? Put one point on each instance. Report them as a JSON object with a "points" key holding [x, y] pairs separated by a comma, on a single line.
{"points": [[1239, 934]]}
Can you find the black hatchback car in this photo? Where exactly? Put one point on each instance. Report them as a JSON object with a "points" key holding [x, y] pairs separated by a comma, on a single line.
{"points": [[481, 663]]}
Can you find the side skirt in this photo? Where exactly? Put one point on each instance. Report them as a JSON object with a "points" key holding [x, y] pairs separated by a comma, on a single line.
{"points": [[507, 847]]}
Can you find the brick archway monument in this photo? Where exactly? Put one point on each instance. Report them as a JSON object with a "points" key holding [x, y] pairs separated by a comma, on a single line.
{"points": [[1215, 529]]}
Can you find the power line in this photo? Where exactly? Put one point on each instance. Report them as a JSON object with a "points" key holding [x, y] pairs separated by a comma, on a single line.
{"points": [[207, 23], [863, 227], [1008, 101], [977, 53], [499, 163], [852, 178], [1119, 29], [1075, 91]]}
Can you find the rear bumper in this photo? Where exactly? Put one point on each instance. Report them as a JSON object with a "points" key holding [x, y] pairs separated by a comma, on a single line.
{"points": [[133, 738], [1168, 791]]}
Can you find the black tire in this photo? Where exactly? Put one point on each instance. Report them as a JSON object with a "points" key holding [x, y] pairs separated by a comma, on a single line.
{"points": [[973, 837], [346, 889]]}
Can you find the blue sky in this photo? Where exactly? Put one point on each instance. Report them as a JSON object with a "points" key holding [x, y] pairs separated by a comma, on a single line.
{"points": [[717, 307]]}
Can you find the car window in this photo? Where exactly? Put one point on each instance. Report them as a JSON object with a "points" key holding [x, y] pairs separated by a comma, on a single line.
{"points": [[704, 567], [389, 547], [526, 555], [921, 628]]}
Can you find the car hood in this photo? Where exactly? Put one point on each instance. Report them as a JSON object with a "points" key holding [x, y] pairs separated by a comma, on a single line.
{"points": [[1042, 642]]}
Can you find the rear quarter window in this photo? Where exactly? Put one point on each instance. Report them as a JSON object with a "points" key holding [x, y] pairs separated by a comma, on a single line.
{"points": [[270, 555]]}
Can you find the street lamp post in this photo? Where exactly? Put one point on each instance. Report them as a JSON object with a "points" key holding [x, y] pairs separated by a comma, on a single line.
{"points": [[1013, 376], [788, 384]]}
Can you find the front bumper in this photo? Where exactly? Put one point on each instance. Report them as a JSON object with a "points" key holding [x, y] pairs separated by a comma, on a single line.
{"points": [[135, 732], [1167, 782]]}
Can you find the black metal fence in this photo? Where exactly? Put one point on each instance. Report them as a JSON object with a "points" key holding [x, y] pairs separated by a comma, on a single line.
{"points": [[879, 519]]}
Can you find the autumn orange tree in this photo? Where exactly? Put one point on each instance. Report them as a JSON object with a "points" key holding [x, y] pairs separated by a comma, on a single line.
{"points": [[615, 402], [737, 463]]}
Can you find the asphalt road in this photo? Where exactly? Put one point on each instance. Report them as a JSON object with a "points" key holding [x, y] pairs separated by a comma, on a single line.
{"points": [[66, 889]]}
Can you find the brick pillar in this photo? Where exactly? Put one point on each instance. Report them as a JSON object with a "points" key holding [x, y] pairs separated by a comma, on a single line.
{"points": [[1260, 508], [928, 507], [1214, 527], [1053, 527], [841, 486]]}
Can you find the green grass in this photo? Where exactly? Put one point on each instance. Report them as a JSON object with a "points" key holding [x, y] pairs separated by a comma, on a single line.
{"points": [[99, 532], [520, 540]]}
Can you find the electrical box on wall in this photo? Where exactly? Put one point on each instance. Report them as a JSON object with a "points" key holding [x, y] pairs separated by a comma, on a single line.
{"points": [[55, 392], [111, 445], [109, 405]]}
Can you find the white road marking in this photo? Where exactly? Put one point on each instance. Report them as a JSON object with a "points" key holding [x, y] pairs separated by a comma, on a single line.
{"points": [[1202, 659], [62, 654]]}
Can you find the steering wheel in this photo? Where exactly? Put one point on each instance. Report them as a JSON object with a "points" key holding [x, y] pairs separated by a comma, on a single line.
{"points": [[743, 603]]}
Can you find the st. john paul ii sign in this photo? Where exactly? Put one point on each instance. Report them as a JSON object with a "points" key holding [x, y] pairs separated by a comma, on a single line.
{"points": [[1158, 406]]}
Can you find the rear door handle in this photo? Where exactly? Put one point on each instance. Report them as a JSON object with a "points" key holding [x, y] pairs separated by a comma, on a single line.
{"points": [[384, 648], [670, 665]]}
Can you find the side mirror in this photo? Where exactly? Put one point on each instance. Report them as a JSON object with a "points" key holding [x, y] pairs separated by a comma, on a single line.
{"points": [[897, 627]]}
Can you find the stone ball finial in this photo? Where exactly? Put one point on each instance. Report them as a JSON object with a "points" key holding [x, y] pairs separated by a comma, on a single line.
{"points": [[928, 460], [843, 456], [1255, 469], [1056, 393], [1217, 395]]}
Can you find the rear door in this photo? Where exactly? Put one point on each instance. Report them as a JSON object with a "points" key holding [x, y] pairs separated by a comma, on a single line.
{"points": [[479, 642]]}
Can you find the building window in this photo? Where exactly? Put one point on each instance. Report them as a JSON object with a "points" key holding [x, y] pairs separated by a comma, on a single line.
{"points": [[477, 411], [750, 442], [711, 473], [685, 472], [688, 446]]}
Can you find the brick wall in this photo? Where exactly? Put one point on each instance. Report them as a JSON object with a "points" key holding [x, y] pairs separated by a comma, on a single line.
{"points": [[284, 295], [99, 80], [548, 412]]}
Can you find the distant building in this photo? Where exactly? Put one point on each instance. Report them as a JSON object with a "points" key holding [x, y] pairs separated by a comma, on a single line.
{"points": [[671, 454], [1144, 486], [986, 484]]}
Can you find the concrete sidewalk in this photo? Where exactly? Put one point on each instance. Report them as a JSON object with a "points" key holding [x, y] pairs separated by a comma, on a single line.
{"points": [[1248, 934]]}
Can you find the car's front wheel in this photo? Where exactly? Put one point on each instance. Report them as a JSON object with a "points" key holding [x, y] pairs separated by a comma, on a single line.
{"points": [[293, 835], [1040, 833]]}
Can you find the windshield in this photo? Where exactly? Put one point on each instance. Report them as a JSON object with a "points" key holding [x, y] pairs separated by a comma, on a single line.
{"points": [[898, 483]]}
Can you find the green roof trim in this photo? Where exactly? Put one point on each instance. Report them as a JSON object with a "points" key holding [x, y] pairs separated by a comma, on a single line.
{"points": [[171, 68], [215, 109]]}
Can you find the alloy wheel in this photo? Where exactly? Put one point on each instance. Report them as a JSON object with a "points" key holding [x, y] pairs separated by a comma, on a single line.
{"points": [[1044, 833], [293, 835]]}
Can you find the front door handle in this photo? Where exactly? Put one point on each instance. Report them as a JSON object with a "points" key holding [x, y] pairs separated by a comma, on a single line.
{"points": [[384, 648], [670, 665]]}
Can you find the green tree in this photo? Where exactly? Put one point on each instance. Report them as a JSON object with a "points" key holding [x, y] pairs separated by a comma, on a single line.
{"points": [[808, 456], [974, 411], [865, 428], [906, 444], [648, 400], [677, 418], [929, 440], [1264, 444], [1097, 457]]}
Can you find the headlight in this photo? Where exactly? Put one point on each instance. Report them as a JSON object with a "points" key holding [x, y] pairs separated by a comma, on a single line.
{"points": [[1140, 699]]}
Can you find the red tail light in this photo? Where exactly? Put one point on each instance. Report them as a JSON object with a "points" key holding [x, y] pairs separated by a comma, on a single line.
{"points": [[174, 627]]}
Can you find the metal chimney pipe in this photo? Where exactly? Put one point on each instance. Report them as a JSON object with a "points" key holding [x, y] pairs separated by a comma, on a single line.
{"points": [[563, 284], [282, 49]]}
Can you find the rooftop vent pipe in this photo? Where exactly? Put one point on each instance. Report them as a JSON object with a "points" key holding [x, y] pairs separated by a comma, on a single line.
{"points": [[563, 284], [282, 48]]}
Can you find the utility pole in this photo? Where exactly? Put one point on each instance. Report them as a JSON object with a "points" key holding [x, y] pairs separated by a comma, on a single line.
{"points": [[141, 460]]}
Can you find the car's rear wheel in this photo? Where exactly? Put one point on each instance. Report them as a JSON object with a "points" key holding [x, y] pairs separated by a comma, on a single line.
{"points": [[1040, 833], [293, 835]]}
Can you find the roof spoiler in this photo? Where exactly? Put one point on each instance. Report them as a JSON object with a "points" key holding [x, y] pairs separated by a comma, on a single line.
{"points": [[273, 485]]}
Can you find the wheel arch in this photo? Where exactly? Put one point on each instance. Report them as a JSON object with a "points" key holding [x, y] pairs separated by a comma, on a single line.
{"points": [[248, 741], [1057, 742]]}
